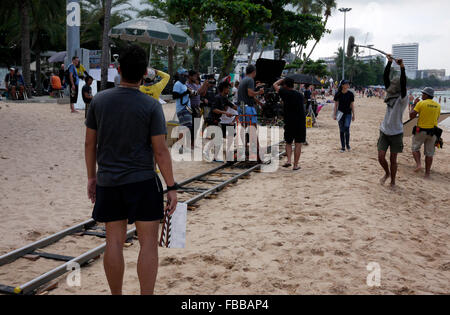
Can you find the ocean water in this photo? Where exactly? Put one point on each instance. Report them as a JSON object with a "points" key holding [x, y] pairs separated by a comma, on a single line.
{"points": [[445, 105]]}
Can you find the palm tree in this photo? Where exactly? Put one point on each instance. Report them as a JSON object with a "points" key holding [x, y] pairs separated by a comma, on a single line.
{"points": [[93, 17], [105, 44], [47, 30], [328, 6], [313, 7]]}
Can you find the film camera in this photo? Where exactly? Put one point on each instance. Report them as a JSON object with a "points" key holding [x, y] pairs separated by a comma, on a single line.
{"points": [[267, 72]]}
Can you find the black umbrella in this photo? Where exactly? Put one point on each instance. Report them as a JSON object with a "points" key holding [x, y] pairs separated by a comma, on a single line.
{"points": [[304, 79]]}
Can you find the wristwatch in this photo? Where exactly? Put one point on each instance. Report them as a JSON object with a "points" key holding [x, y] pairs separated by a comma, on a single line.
{"points": [[174, 187]]}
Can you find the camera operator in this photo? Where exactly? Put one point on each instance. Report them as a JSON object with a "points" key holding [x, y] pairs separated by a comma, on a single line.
{"points": [[209, 98], [197, 91], [294, 120], [247, 93]]}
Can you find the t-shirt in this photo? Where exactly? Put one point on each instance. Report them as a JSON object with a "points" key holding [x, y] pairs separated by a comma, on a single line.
{"points": [[86, 89], [345, 100], [181, 103], [308, 95], [392, 124], [125, 120], [55, 82], [429, 112], [81, 70], [155, 90], [246, 83], [294, 113], [74, 72], [11, 79], [220, 103]]}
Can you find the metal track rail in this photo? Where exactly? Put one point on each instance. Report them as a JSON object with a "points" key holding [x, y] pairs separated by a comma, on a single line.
{"points": [[32, 286]]}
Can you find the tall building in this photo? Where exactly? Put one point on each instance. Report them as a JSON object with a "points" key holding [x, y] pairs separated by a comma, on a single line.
{"points": [[410, 55]]}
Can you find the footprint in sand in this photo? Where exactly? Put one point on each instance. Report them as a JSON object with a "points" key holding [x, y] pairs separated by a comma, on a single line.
{"points": [[338, 173]]}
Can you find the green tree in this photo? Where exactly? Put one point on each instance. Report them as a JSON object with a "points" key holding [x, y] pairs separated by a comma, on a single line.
{"points": [[47, 30], [327, 6], [159, 9], [316, 68], [93, 20], [235, 20], [193, 13], [292, 28], [105, 60]]}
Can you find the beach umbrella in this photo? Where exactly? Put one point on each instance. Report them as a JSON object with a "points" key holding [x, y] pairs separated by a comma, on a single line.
{"points": [[58, 57], [152, 31], [304, 79]]}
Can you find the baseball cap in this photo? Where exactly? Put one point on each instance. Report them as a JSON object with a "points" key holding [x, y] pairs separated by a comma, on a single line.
{"points": [[345, 82], [151, 74], [428, 91], [12, 69]]}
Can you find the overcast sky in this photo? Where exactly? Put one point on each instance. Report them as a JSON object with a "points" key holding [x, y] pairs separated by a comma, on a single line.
{"points": [[387, 22], [394, 22]]}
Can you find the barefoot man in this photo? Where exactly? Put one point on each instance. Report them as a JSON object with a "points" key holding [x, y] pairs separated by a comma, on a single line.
{"points": [[391, 130], [424, 134], [125, 130], [294, 120]]}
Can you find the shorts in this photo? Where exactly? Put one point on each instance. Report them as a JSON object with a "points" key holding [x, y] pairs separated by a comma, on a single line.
{"points": [[422, 138], [73, 98], [394, 142], [185, 118], [142, 202], [295, 134]]}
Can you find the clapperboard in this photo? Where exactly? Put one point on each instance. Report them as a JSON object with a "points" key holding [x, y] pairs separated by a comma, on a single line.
{"points": [[173, 232]]}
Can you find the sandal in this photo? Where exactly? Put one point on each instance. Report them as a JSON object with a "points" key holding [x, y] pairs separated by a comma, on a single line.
{"points": [[287, 165], [297, 168]]}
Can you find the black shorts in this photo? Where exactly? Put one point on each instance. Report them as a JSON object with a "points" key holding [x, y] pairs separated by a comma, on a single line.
{"points": [[73, 98], [297, 134], [143, 201]]}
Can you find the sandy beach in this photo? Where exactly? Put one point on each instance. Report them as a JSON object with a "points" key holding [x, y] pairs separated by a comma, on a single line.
{"points": [[309, 232]]}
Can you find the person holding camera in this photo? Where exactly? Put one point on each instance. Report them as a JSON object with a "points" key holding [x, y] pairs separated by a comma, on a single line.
{"points": [[209, 98], [181, 94], [294, 120], [247, 94]]}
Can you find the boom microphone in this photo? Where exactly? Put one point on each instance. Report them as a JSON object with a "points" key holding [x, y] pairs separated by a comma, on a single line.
{"points": [[351, 46]]}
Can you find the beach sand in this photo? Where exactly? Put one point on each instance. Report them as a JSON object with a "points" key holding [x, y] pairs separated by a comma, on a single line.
{"points": [[309, 232]]}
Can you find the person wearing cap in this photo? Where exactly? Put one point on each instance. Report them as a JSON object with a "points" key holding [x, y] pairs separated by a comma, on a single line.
{"points": [[391, 129], [428, 112], [181, 94], [344, 112], [12, 84], [150, 87]]}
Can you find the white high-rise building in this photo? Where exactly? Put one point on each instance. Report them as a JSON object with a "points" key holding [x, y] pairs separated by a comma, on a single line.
{"points": [[410, 55]]}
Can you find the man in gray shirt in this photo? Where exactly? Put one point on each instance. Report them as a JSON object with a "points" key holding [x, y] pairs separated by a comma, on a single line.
{"points": [[391, 129], [246, 92], [125, 131]]}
